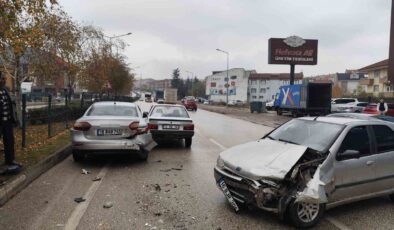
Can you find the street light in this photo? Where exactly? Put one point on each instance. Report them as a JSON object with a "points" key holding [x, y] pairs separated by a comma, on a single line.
{"points": [[228, 54], [191, 80], [116, 36]]}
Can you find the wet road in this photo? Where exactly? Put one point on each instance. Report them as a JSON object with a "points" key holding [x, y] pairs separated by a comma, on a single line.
{"points": [[174, 189]]}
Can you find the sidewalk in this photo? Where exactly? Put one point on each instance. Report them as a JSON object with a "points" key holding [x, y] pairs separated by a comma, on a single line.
{"points": [[37, 158], [268, 119]]}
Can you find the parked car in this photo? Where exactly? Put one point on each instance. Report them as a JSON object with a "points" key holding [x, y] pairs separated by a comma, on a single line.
{"points": [[270, 105], [190, 104], [235, 103], [363, 116], [352, 107], [111, 127], [298, 171], [206, 102], [337, 102], [371, 109], [160, 101], [170, 122]]}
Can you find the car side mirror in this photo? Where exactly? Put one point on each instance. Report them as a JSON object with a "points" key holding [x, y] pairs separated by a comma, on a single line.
{"points": [[349, 154], [145, 114]]}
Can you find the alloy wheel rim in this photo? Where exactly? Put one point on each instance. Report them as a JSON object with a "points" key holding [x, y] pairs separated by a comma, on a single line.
{"points": [[307, 212]]}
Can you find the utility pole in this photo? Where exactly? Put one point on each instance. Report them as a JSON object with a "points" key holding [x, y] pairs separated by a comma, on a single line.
{"points": [[227, 86], [390, 74]]}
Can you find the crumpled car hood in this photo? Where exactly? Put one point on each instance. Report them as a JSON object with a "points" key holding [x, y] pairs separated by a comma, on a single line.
{"points": [[264, 158]]}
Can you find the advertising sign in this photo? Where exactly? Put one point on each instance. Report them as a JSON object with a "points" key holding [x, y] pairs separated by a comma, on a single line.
{"points": [[292, 50]]}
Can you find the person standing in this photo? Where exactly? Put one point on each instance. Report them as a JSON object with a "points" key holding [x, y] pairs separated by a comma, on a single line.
{"points": [[7, 122], [382, 107]]}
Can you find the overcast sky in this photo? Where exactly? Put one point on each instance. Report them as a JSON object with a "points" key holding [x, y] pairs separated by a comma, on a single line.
{"points": [[185, 33]]}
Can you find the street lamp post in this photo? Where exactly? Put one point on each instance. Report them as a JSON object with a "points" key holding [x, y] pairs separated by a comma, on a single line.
{"points": [[191, 80], [116, 36], [227, 86]]}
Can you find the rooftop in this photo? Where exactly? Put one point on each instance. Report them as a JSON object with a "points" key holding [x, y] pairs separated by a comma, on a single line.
{"points": [[377, 65]]}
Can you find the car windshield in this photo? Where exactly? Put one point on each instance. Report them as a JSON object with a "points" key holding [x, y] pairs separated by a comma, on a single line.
{"points": [[169, 111], [313, 134], [112, 110], [344, 101]]}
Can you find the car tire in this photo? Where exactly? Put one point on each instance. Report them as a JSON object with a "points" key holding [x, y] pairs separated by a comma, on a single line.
{"points": [[304, 215], [78, 156], [391, 197], [143, 155], [279, 112], [188, 142]]}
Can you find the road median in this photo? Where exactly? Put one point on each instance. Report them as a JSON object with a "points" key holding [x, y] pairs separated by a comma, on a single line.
{"points": [[269, 119]]}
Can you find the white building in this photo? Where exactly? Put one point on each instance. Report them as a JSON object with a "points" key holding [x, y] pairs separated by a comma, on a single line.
{"points": [[238, 85], [264, 86]]}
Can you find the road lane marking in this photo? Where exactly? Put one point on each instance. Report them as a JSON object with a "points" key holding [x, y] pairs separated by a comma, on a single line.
{"points": [[80, 209], [337, 223], [218, 144]]}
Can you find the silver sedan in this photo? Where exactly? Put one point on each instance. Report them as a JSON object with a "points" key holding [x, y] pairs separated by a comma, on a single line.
{"points": [[108, 127], [308, 165]]}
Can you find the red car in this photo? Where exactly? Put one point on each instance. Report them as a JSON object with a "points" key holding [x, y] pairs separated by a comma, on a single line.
{"points": [[190, 104], [371, 109]]}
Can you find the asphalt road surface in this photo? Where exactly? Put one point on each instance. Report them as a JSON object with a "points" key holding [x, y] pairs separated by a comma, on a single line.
{"points": [[174, 189]]}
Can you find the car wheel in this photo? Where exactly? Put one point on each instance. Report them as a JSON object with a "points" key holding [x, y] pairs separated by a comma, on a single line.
{"points": [[188, 142], [78, 156], [391, 197], [305, 215], [143, 154], [279, 112]]}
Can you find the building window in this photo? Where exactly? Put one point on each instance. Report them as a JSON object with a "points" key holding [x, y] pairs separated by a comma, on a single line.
{"points": [[233, 77], [376, 88], [263, 82], [261, 97], [254, 82], [213, 84], [254, 97], [376, 73], [262, 90], [273, 97], [253, 90]]}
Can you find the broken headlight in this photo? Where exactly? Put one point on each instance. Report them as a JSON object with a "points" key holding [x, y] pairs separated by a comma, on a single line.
{"points": [[220, 162]]}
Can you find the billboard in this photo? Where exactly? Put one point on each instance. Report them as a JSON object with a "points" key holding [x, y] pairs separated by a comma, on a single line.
{"points": [[292, 50]]}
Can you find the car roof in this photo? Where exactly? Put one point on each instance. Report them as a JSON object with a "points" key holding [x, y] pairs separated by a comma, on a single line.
{"points": [[103, 103], [334, 120], [170, 105]]}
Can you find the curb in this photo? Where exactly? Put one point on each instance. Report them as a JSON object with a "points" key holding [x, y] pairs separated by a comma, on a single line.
{"points": [[18, 183]]}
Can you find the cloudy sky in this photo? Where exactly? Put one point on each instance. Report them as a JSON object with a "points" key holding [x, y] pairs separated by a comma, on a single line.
{"points": [[185, 33]]}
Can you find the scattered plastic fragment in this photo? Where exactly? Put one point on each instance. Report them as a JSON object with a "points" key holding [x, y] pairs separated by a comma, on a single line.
{"points": [[79, 199], [84, 171]]}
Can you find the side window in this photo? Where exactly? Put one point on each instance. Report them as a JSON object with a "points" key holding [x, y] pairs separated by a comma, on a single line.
{"points": [[384, 138], [357, 139]]}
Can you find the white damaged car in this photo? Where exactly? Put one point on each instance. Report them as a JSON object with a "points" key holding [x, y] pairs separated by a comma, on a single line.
{"points": [[308, 165]]}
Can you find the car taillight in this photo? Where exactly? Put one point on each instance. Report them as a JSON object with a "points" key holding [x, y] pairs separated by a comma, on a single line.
{"points": [[82, 126], [188, 127], [134, 125], [152, 126]]}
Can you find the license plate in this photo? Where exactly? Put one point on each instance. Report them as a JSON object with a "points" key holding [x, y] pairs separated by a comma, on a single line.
{"points": [[109, 132], [170, 126], [227, 193]]}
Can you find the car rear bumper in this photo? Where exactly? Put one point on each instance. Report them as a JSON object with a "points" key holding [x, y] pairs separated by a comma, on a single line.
{"points": [[80, 142], [164, 134]]}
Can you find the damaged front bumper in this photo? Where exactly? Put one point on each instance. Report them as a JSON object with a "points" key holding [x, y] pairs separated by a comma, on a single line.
{"points": [[267, 194], [249, 192]]}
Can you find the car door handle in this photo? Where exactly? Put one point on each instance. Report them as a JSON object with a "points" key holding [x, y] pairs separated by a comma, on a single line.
{"points": [[370, 163]]}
